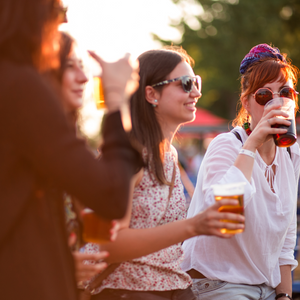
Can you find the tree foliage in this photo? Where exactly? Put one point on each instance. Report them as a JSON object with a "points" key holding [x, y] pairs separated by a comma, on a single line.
{"points": [[221, 32]]}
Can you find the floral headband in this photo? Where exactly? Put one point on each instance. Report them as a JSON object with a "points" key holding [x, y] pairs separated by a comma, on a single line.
{"points": [[258, 52]]}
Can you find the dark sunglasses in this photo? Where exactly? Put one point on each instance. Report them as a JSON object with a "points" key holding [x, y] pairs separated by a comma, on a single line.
{"points": [[187, 83], [264, 95]]}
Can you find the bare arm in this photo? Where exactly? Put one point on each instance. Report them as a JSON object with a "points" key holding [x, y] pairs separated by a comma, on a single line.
{"points": [[285, 285], [133, 243]]}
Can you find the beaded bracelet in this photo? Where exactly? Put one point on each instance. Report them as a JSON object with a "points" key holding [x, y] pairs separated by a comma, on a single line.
{"points": [[283, 295], [247, 152]]}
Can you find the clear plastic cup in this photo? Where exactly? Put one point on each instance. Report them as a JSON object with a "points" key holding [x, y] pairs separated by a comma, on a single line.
{"points": [[290, 137], [230, 191], [95, 229]]}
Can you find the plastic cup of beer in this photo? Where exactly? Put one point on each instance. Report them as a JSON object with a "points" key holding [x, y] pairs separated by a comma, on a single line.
{"points": [[98, 92], [290, 137], [230, 191], [95, 229]]}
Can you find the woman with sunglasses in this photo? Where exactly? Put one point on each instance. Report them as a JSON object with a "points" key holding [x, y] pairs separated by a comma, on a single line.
{"points": [[148, 242], [257, 263]]}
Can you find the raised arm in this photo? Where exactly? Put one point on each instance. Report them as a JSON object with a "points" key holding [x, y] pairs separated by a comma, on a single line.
{"points": [[34, 126]]}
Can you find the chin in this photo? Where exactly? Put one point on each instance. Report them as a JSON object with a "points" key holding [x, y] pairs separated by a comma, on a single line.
{"points": [[76, 103], [191, 118]]}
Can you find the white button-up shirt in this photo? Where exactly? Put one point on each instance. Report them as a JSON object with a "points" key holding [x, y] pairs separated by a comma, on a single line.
{"points": [[254, 256]]}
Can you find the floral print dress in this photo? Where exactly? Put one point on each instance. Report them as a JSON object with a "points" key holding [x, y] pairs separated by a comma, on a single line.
{"points": [[160, 270]]}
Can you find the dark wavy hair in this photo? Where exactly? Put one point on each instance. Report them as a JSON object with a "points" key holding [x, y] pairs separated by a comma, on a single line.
{"points": [[28, 30], [55, 75], [155, 66], [66, 43]]}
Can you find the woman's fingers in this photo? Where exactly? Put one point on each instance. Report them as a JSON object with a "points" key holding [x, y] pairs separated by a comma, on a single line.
{"points": [[90, 271], [88, 265], [80, 257], [275, 120], [120, 79], [96, 57], [114, 230], [72, 239], [212, 220]]}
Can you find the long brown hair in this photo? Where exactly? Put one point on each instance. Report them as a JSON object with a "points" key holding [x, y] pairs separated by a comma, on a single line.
{"points": [[155, 66], [260, 73], [28, 31], [55, 75]]}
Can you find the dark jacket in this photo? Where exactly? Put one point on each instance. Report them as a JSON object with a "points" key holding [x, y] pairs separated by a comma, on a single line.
{"points": [[37, 147]]}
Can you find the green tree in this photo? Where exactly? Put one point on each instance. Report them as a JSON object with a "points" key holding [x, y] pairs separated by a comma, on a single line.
{"points": [[219, 33]]}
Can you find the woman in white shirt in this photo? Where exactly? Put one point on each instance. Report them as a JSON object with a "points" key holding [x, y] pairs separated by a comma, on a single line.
{"points": [[256, 264]]}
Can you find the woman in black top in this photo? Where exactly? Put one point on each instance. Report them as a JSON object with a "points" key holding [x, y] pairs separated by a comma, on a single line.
{"points": [[37, 145]]}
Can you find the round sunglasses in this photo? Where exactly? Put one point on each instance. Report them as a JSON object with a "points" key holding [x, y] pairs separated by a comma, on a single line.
{"points": [[264, 95], [187, 83]]}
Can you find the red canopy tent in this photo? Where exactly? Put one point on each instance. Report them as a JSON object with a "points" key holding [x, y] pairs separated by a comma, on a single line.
{"points": [[206, 118], [206, 122]]}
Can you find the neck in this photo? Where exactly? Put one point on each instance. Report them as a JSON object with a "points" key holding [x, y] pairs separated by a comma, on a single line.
{"points": [[267, 151], [168, 134]]}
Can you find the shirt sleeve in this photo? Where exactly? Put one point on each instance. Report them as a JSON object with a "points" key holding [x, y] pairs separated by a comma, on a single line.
{"points": [[220, 169], [41, 137], [287, 252], [217, 168]]}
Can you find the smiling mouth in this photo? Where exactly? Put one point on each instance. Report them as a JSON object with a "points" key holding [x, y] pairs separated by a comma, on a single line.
{"points": [[191, 104], [78, 92]]}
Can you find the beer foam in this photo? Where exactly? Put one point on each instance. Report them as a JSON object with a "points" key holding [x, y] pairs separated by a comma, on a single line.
{"points": [[230, 189]]}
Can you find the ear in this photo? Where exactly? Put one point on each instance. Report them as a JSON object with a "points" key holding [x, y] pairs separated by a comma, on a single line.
{"points": [[151, 95], [245, 103]]}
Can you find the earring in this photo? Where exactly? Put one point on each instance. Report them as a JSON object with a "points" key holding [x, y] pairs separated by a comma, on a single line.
{"points": [[246, 126], [155, 103]]}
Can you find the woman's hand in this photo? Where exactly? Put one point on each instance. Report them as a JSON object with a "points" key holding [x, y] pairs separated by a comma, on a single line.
{"points": [[120, 80], [264, 131], [114, 230], [211, 221], [89, 265]]}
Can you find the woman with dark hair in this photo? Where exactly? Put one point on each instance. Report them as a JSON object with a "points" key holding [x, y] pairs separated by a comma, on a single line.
{"points": [[71, 76], [257, 263], [39, 150], [71, 80], [148, 243]]}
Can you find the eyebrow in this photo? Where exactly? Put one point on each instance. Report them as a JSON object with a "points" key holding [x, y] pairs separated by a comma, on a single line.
{"points": [[281, 87]]}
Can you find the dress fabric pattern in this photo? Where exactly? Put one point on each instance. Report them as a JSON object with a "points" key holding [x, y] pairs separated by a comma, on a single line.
{"points": [[160, 270]]}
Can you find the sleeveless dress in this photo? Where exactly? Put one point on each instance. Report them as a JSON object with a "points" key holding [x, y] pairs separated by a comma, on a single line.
{"points": [[160, 270]]}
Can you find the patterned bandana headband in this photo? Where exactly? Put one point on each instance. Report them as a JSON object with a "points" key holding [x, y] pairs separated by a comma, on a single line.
{"points": [[258, 52]]}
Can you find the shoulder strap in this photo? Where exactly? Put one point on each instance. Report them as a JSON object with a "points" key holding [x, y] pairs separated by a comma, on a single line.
{"points": [[237, 135], [170, 192], [288, 149]]}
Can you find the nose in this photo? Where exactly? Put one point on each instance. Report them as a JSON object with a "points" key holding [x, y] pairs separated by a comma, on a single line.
{"points": [[276, 93], [195, 93], [81, 77]]}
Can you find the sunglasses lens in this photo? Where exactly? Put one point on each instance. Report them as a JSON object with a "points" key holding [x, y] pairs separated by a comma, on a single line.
{"points": [[262, 96], [288, 93], [187, 84], [196, 84]]}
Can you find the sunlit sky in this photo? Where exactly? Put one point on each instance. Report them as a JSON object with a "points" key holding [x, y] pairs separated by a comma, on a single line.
{"points": [[114, 27]]}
